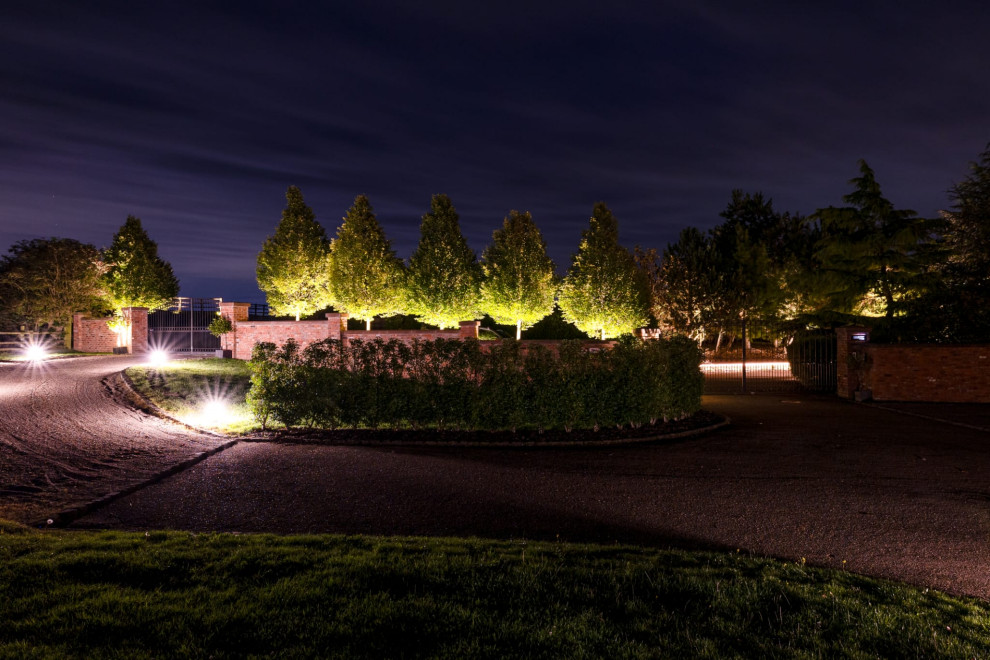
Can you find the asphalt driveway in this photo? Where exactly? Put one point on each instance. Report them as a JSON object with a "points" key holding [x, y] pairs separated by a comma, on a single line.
{"points": [[810, 479]]}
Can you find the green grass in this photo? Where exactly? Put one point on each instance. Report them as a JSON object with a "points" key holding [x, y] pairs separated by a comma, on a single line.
{"points": [[18, 355], [183, 387], [114, 594]]}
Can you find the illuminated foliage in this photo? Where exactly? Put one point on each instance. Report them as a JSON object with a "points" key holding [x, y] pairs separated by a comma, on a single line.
{"points": [[136, 276], [365, 274], [47, 280], [444, 279], [871, 254], [681, 283], [604, 293], [519, 284], [292, 264]]}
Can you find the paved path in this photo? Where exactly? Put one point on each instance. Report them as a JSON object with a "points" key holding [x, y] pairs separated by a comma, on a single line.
{"points": [[67, 436], [837, 484]]}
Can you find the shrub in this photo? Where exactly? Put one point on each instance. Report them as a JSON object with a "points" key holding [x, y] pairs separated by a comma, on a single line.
{"points": [[454, 384]]}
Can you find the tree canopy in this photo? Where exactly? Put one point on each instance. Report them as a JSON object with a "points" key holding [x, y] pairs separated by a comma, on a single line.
{"points": [[604, 293], [444, 277], [365, 274], [871, 254], [47, 280], [520, 283], [136, 276], [293, 263]]}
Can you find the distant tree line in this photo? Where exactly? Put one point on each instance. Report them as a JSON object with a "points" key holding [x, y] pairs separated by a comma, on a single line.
{"points": [[44, 281], [911, 278]]}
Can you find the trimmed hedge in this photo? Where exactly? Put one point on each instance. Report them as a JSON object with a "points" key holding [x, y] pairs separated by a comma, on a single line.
{"points": [[455, 384]]}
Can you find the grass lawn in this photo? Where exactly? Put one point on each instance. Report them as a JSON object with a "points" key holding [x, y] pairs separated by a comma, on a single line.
{"points": [[114, 594], [185, 388]]}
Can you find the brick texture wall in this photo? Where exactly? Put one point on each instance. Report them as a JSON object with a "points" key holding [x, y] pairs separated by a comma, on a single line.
{"points": [[247, 334], [92, 335], [912, 372], [919, 372]]}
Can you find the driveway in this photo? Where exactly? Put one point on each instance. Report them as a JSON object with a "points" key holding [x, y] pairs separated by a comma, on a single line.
{"points": [[811, 479], [68, 436]]}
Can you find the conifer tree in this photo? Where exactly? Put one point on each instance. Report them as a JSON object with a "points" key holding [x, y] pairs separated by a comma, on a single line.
{"points": [[292, 264], [604, 293], [519, 284], [870, 252], [444, 277], [365, 274], [136, 276]]}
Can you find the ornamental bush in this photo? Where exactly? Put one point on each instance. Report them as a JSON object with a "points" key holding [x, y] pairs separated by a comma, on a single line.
{"points": [[458, 385]]}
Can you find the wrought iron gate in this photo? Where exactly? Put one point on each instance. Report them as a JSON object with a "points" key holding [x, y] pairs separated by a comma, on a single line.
{"points": [[183, 327], [759, 357]]}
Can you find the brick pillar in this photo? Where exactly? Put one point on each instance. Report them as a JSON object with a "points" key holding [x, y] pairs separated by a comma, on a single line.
{"points": [[469, 329], [235, 312], [337, 326], [76, 327], [136, 331], [850, 342]]}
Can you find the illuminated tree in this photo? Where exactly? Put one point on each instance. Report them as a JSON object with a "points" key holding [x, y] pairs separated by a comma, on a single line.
{"points": [[365, 275], [136, 276], [519, 284], [871, 254], [444, 277], [46, 281], [681, 283], [604, 293], [292, 264]]}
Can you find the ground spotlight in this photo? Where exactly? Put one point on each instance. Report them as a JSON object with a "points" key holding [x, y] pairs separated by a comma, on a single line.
{"points": [[35, 352], [158, 358]]}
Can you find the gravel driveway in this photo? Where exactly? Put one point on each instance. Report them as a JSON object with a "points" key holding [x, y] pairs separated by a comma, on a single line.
{"points": [[68, 437], [813, 479]]}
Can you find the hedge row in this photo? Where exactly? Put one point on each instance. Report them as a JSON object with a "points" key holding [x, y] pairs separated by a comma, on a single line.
{"points": [[454, 384]]}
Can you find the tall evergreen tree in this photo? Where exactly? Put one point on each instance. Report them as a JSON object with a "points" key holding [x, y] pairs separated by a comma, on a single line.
{"points": [[604, 293], [365, 274], [519, 284], [444, 277], [967, 224], [293, 263], [136, 276], [47, 280], [871, 253]]}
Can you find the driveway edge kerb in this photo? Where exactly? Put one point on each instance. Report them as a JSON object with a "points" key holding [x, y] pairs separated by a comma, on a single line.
{"points": [[725, 421], [932, 418], [63, 518]]}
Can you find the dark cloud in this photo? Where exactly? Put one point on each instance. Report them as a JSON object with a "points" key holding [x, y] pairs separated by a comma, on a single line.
{"points": [[197, 116]]}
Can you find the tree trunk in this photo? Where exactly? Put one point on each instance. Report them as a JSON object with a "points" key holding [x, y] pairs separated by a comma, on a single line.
{"points": [[367, 325], [518, 330]]}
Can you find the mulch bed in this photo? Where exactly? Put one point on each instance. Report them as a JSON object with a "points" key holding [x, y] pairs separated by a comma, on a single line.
{"points": [[675, 428]]}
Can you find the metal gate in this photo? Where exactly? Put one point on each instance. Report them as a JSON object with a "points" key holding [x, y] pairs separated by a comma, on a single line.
{"points": [[761, 357], [183, 327]]}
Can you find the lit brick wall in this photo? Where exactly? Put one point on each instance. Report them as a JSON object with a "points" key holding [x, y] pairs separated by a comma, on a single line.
{"points": [[92, 335]]}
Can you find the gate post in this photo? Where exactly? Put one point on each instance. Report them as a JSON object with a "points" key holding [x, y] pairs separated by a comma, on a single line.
{"points": [[234, 312], [136, 322], [848, 340]]}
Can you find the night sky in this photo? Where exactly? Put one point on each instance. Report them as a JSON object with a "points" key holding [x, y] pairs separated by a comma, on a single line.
{"points": [[196, 116]]}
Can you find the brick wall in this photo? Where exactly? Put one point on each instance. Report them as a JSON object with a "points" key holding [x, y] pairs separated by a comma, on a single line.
{"points": [[247, 334], [92, 335], [95, 336], [912, 372], [920, 372]]}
